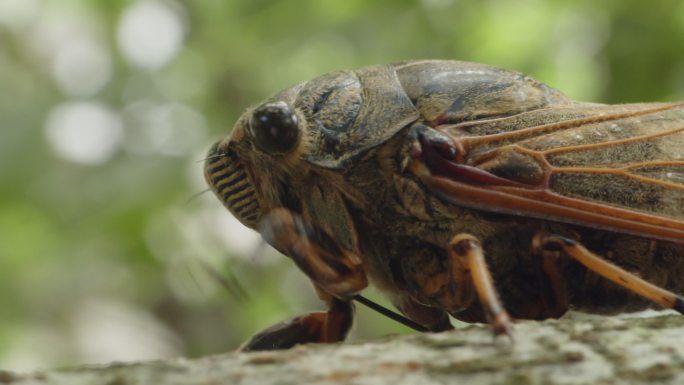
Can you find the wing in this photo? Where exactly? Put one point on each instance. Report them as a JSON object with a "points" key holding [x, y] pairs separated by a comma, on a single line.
{"points": [[619, 168]]}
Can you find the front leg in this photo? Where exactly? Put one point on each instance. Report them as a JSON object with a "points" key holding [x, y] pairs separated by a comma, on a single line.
{"points": [[316, 327], [336, 273]]}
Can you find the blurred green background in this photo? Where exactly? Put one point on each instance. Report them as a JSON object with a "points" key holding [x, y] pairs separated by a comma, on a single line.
{"points": [[107, 106]]}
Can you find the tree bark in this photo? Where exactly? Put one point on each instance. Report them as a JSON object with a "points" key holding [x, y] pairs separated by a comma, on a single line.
{"points": [[571, 351]]}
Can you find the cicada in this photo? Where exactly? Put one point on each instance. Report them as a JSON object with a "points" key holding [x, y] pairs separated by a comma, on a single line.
{"points": [[458, 189]]}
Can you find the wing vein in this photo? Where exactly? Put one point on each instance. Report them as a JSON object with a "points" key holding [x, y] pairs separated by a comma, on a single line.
{"points": [[592, 146], [621, 172], [470, 142]]}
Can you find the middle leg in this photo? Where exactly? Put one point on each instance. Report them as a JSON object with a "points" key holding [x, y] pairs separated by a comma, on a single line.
{"points": [[467, 264]]}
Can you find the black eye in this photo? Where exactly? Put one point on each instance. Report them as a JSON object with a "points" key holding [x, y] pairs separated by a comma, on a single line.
{"points": [[274, 127]]}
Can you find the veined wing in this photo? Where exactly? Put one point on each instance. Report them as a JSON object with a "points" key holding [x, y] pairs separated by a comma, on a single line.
{"points": [[613, 167]]}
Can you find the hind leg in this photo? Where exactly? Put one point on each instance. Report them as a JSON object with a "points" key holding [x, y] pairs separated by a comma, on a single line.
{"points": [[608, 270]]}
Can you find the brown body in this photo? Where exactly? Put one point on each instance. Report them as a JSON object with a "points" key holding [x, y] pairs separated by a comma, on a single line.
{"points": [[389, 163], [411, 226]]}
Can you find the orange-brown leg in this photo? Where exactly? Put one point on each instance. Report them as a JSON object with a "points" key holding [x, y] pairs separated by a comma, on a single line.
{"points": [[468, 266], [608, 270], [556, 302], [337, 275], [316, 327], [331, 268]]}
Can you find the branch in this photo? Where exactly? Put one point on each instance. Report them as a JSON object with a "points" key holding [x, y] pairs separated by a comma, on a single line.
{"points": [[584, 351]]}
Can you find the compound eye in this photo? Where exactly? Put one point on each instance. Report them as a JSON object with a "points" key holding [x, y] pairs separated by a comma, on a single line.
{"points": [[274, 127]]}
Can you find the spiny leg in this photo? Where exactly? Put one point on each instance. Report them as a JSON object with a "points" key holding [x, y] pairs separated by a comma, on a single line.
{"points": [[610, 271], [467, 261], [337, 275]]}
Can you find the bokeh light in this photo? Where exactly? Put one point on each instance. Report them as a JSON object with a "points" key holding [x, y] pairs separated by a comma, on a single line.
{"points": [[150, 33], [15, 14], [82, 67], [171, 129], [84, 132]]}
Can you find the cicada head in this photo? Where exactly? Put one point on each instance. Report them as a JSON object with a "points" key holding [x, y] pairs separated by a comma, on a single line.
{"points": [[324, 123]]}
